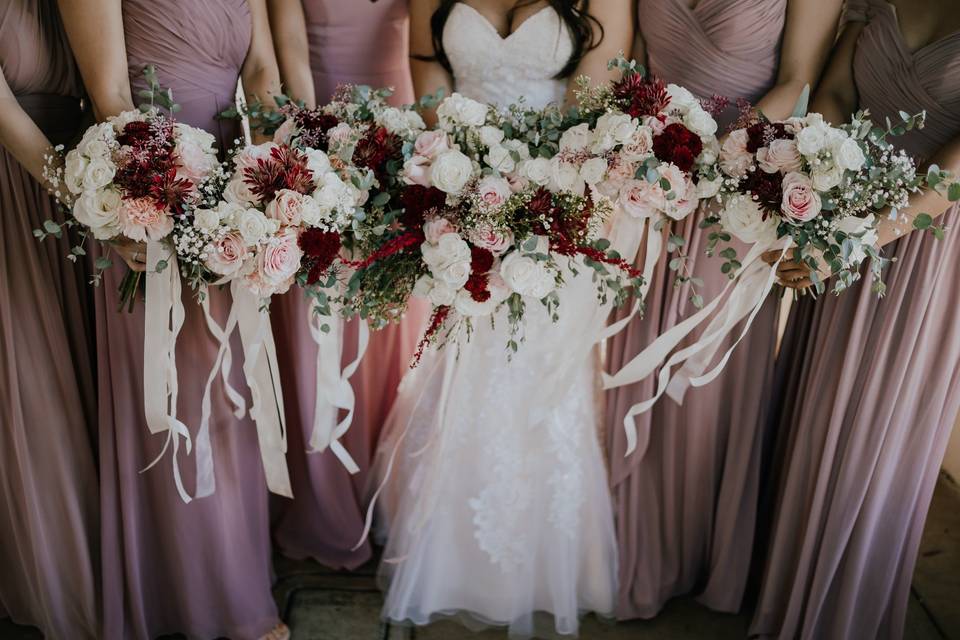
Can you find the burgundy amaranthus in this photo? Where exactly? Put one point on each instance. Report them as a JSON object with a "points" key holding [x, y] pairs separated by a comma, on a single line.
{"points": [[389, 248], [286, 168], [639, 96], [439, 316]]}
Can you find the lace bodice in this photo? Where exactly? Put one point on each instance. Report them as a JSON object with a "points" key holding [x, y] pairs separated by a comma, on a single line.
{"points": [[497, 70]]}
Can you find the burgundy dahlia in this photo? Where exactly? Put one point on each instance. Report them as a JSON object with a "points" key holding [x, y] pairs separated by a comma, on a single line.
{"points": [[416, 201], [286, 168], [375, 149], [766, 188], [641, 96], [320, 249]]}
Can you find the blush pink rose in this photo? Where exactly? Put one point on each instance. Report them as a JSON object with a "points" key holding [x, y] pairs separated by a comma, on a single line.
{"points": [[277, 263], [436, 228], [141, 219], [416, 170], [780, 155], [640, 199], [517, 183], [801, 202], [252, 154], [286, 208], [430, 144], [228, 255], [284, 132], [340, 133], [494, 191], [685, 200], [494, 240]]}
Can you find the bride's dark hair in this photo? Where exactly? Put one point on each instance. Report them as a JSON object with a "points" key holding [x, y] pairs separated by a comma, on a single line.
{"points": [[574, 13]]}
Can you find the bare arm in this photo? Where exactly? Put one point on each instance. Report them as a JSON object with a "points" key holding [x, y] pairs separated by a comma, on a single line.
{"points": [[836, 97], [289, 30], [20, 135], [617, 18], [260, 75], [809, 35], [429, 76], [95, 31]]}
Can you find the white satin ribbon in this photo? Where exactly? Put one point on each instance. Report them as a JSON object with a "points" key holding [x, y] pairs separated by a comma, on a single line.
{"points": [[263, 378], [163, 318], [334, 391], [750, 291]]}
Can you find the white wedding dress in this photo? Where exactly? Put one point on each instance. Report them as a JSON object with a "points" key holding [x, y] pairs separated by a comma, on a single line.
{"points": [[495, 500]]}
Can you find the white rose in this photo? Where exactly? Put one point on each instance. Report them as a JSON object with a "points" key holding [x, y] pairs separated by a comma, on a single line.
{"points": [[74, 168], [593, 170], [440, 294], [527, 276], [700, 122], [451, 171], [449, 249], [711, 150], [393, 120], [491, 136], [206, 219], [253, 226], [613, 129], [230, 213], [99, 211], [500, 159], [121, 120], [681, 100], [518, 147], [849, 155], [317, 162], [536, 170], [311, 214], [414, 121], [576, 138], [458, 110], [467, 306], [565, 176], [826, 176], [454, 274], [97, 133], [99, 173], [811, 140], [707, 189], [743, 217], [95, 149]]}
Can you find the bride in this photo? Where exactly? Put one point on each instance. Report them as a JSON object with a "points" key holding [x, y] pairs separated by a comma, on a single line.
{"points": [[495, 493]]}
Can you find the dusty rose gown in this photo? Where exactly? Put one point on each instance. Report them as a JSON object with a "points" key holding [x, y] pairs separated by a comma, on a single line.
{"points": [[872, 389], [48, 492], [202, 569], [357, 43], [686, 505]]}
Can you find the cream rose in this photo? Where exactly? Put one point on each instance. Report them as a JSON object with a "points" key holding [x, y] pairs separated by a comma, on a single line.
{"points": [[536, 170], [98, 173], [228, 254], [206, 219], [451, 171], [430, 144], [576, 138], [640, 199], [435, 228], [565, 176], [99, 211], [253, 226], [527, 276], [500, 159], [848, 155], [779, 155], [491, 136], [74, 168], [743, 217], [286, 208], [593, 170]]}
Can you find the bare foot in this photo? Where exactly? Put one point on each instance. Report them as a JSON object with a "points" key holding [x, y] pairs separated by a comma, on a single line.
{"points": [[279, 632]]}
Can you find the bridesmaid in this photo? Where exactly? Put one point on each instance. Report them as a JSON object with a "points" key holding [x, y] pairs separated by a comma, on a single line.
{"points": [[686, 504], [202, 569], [874, 387], [322, 44], [49, 547]]}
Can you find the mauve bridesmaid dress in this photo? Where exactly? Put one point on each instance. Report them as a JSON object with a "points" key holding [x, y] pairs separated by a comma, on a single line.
{"points": [[202, 569], [686, 505], [48, 482], [357, 42], [872, 388]]}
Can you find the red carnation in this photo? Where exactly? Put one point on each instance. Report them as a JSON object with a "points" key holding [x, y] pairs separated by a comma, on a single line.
{"points": [[481, 260], [320, 249], [678, 145], [641, 96], [477, 285]]}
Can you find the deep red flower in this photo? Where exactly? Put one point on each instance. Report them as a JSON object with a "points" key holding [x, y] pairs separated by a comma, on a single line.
{"points": [[641, 96], [678, 145], [762, 134], [767, 188], [477, 285], [136, 134], [286, 168], [375, 149], [313, 126], [320, 249], [169, 191], [481, 260], [439, 316], [416, 201]]}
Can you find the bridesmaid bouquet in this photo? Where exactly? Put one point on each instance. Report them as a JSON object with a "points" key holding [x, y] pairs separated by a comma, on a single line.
{"points": [[816, 187]]}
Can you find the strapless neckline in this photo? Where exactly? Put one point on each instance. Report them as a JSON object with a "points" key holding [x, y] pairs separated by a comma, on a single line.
{"points": [[490, 26]]}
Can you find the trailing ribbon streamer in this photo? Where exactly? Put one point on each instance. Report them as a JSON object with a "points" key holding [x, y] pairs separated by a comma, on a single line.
{"points": [[263, 378], [333, 386], [650, 358], [163, 318], [654, 249]]}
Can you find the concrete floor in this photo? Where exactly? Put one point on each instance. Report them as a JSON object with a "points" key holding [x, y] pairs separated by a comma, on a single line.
{"points": [[322, 605]]}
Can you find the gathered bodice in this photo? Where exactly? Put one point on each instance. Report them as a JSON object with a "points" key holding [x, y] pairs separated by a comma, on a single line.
{"points": [[198, 49], [500, 70], [342, 36], [890, 78], [34, 53], [718, 47]]}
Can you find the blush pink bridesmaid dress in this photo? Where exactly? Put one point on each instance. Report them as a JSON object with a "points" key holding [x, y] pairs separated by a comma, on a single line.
{"points": [[686, 503], [356, 42], [202, 569], [871, 388], [49, 541]]}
